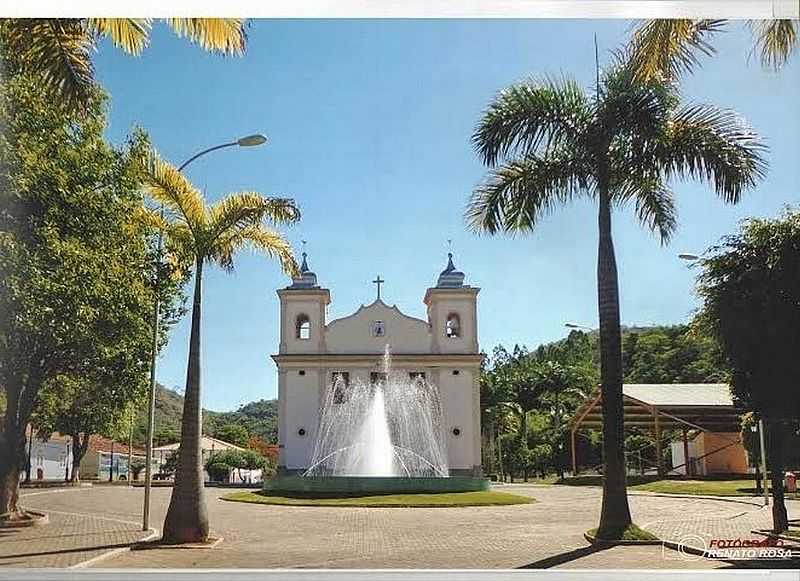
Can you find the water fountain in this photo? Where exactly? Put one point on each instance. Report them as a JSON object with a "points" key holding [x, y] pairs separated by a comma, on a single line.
{"points": [[385, 436]]}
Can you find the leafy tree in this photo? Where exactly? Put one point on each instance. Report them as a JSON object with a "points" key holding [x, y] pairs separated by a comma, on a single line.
{"points": [[137, 465], [264, 448], [165, 436], [59, 50], [197, 233], [550, 142], [667, 48], [74, 261], [233, 434], [227, 460], [170, 464], [751, 303]]}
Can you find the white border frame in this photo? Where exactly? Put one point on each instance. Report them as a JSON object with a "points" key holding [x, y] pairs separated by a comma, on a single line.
{"points": [[626, 9]]}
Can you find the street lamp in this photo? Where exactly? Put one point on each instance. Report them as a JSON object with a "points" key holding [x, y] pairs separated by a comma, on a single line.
{"points": [[576, 326], [246, 141], [688, 256]]}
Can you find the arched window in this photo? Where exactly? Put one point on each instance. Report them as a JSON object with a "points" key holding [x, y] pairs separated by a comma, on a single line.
{"points": [[452, 328], [303, 327]]}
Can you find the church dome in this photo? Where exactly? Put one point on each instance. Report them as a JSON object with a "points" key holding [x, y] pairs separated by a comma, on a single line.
{"points": [[450, 277], [306, 278]]}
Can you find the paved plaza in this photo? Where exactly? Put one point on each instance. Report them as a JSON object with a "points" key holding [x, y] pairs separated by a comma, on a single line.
{"points": [[87, 523]]}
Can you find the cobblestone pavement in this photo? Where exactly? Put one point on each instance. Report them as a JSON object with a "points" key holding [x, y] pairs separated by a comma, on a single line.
{"points": [[547, 533], [68, 539]]}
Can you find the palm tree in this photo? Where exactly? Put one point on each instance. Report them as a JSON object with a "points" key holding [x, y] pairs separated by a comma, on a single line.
{"points": [[197, 233], [668, 48], [59, 49], [548, 143]]}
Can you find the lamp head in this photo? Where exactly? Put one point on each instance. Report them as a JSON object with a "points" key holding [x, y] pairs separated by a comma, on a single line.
{"points": [[688, 256], [251, 140]]}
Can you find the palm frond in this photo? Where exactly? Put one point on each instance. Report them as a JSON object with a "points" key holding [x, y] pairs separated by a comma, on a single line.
{"points": [[667, 48], [222, 35], [654, 205], [59, 50], [129, 34], [166, 185], [528, 116], [775, 40], [518, 193], [705, 142], [238, 210], [259, 238]]}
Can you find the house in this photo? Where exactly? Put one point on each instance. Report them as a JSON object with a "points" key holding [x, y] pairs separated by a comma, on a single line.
{"points": [[209, 446], [52, 459]]}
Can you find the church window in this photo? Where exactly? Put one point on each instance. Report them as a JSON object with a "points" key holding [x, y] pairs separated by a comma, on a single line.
{"points": [[301, 372], [456, 431], [378, 329], [301, 432], [452, 328], [456, 372], [340, 380], [377, 377], [416, 376], [303, 327]]}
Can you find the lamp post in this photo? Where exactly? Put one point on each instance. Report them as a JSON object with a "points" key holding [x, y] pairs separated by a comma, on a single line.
{"points": [[576, 326], [692, 257], [248, 141]]}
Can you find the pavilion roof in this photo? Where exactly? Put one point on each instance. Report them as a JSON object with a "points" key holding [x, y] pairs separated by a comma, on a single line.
{"points": [[706, 406]]}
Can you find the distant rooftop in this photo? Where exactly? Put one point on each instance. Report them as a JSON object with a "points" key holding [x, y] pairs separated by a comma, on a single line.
{"points": [[680, 394]]}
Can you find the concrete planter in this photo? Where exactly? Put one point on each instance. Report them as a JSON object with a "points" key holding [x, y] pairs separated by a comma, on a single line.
{"points": [[362, 485]]}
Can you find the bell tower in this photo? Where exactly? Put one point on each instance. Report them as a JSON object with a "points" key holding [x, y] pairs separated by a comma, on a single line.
{"points": [[452, 312], [302, 317]]}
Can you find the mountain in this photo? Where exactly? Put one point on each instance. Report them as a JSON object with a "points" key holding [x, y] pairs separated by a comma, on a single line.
{"points": [[260, 418]]}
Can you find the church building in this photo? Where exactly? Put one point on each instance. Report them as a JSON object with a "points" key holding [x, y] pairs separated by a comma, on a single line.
{"points": [[314, 352]]}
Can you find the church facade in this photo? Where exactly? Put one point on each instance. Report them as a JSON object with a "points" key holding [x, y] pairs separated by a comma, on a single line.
{"points": [[313, 352]]}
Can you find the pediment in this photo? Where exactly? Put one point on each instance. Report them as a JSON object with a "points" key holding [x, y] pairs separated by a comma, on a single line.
{"points": [[373, 326]]}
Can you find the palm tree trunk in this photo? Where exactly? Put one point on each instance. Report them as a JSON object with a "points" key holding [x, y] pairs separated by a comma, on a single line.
{"points": [[776, 441], [615, 515], [187, 516]]}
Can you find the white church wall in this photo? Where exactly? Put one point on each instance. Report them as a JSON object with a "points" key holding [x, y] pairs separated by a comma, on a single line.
{"points": [[302, 403], [457, 402], [314, 310], [355, 334]]}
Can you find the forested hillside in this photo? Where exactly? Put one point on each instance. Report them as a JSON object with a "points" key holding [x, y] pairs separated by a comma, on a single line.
{"points": [[259, 418]]}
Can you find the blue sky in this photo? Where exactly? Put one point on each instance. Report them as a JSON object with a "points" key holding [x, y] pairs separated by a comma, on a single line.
{"points": [[369, 125]]}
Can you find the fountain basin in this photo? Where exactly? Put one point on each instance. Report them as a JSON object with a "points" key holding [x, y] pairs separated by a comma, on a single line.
{"points": [[369, 485]]}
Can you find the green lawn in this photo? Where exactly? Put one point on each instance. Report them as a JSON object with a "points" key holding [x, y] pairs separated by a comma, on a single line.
{"points": [[483, 498], [723, 486], [631, 533]]}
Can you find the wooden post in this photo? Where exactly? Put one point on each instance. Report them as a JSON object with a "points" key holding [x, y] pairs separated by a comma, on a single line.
{"points": [[574, 456], [659, 455], [687, 466]]}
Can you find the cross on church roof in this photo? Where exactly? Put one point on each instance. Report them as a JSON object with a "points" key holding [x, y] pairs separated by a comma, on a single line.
{"points": [[378, 282]]}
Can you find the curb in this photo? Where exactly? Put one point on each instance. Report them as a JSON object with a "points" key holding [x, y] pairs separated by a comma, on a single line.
{"points": [[113, 552], [40, 518], [696, 496], [148, 544]]}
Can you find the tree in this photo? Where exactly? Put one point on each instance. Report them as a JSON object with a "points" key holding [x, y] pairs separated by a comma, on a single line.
{"points": [[136, 467], [233, 434], [197, 233], [667, 48], [549, 142], [74, 288], [59, 50], [221, 463], [751, 303]]}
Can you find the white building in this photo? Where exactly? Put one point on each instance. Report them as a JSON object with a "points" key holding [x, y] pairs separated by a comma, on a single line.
{"points": [[209, 446], [444, 348]]}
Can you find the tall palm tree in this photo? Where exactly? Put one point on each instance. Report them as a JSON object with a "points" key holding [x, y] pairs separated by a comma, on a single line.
{"points": [[670, 47], [60, 49], [548, 142], [197, 233]]}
